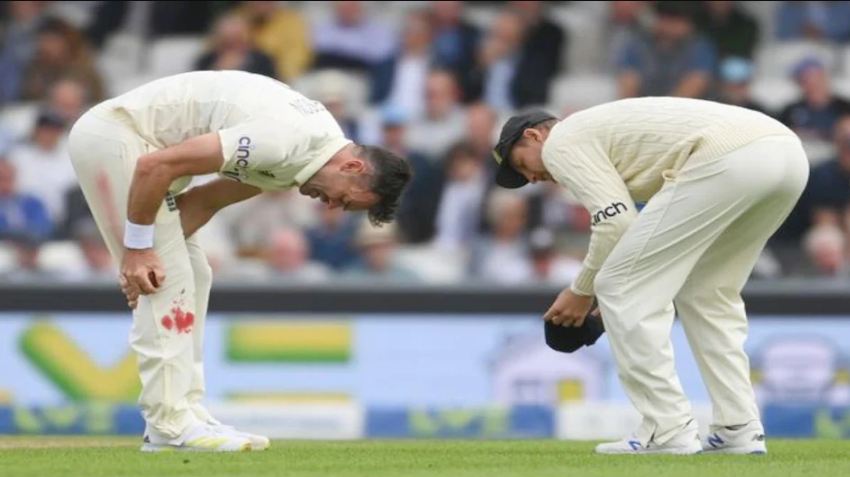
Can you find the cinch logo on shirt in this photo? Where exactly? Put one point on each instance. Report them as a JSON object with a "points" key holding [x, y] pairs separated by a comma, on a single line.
{"points": [[243, 151], [608, 212]]}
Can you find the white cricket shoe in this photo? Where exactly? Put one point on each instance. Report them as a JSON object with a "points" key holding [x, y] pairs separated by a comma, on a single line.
{"points": [[748, 439], [685, 442], [198, 438], [258, 442]]}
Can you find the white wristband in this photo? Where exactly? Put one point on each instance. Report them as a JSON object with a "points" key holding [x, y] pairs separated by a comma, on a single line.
{"points": [[138, 236]]}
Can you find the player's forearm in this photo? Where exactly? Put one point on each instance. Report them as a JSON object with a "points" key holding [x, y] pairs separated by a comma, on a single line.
{"points": [[147, 190], [602, 242], [199, 204], [155, 171]]}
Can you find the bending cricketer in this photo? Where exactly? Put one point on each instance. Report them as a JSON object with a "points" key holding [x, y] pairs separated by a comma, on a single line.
{"points": [[133, 155], [717, 181]]}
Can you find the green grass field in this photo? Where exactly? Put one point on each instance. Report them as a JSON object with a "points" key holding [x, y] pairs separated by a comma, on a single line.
{"points": [[102, 456]]}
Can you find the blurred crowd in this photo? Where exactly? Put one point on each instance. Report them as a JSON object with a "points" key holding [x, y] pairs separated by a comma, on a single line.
{"points": [[432, 81]]}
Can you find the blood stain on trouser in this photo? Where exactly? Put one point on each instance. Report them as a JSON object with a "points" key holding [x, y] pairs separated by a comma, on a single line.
{"points": [[183, 321]]}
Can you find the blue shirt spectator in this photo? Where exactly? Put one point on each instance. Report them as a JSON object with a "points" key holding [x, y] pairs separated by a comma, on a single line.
{"points": [[23, 218], [331, 241], [672, 60], [18, 45], [813, 20], [815, 114], [828, 190], [455, 43]]}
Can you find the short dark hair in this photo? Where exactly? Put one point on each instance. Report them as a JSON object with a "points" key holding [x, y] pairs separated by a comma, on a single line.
{"points": [[391, 173]]}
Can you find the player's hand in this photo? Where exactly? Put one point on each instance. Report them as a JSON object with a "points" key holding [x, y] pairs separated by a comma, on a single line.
{"points": [[569, 309], [142, 270], [132, 293]]}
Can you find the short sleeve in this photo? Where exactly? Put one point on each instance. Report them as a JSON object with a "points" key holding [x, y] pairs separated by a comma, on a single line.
{"points": [[257, 146]]}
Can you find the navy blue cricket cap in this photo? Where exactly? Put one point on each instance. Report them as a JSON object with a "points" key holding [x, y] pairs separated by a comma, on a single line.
{"points": [[507, 176]]}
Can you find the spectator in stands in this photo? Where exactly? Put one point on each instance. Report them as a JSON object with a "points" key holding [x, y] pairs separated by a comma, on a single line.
{"points": [[549, 266], [815, 114], [232, 49], [44, 169], [732, 30], [498, 60], [826, 248], [828, 191], [152, 19], [444, 120], [378, 260], [626, 21], [540, 57], [61, 52], [480, 129], [550, 208], [97, 263], [455, 42], [461, 201], [394, 129], [288, 258], [23, 221], [68, 99], [76, 213], [351, 39], [735, 76], [400, 80], [18, 43], [671, 60], [333, 89], [250, 225], [503, 257], [813, 21], [331, 239], [283, 34], [418, 206]]}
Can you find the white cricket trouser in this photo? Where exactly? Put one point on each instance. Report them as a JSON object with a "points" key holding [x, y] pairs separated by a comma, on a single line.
{"points": [[168, 326], [695, 244]]}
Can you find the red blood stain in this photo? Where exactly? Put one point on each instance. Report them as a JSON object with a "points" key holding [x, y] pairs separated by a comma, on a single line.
{"points": [[166, 322], [184, 321]]}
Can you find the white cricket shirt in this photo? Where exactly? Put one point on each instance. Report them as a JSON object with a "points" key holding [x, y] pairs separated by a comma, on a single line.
{"points": [[615, 154], [272, 137]]}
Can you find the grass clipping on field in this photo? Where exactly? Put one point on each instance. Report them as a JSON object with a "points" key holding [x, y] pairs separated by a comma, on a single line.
{"points": [[85, 456]]}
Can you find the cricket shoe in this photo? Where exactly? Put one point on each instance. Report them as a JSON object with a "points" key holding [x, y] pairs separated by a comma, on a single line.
{"points": [[258, 442], [685, 442], [198, 438], [746, 439]]}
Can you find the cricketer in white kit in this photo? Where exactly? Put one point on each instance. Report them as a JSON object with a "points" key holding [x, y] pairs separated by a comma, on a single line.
{"points": [[717, 181], [136, 154]]}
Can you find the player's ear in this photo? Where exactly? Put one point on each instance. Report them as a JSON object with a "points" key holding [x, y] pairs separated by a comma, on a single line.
{"points": [[532, 134], [353, 166]]}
